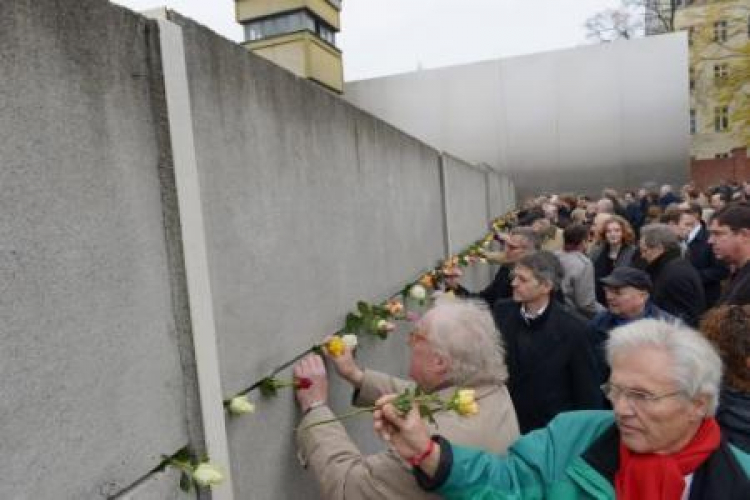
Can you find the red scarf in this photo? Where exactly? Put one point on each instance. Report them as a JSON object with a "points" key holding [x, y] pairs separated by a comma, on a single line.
{"points": [[661, 477]]}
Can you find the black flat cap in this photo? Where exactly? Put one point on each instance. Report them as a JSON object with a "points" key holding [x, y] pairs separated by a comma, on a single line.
{"points": [[627, 276]]}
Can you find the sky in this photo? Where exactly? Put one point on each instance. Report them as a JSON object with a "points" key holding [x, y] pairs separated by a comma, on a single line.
{"points": [[384, 37]]}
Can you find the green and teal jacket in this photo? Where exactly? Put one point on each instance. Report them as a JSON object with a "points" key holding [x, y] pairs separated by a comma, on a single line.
{"points": [[575, 457]]}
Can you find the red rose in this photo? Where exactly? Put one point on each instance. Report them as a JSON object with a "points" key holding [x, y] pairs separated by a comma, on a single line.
{"points": [[303, 383]]}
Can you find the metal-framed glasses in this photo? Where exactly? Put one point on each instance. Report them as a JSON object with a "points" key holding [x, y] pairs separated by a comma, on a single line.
{"points": [[634, 397]]}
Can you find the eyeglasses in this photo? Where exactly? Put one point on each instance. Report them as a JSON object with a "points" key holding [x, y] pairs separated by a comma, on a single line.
{"points": [[633, 396]]}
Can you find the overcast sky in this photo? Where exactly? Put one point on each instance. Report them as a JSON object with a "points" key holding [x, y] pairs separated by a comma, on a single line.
{"points": [[382, 37]]}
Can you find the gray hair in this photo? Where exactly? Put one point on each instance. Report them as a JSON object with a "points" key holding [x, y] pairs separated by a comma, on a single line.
{"points": [[465, 332], [535, 242], [654, 235], [696, 367], [545, 266]]}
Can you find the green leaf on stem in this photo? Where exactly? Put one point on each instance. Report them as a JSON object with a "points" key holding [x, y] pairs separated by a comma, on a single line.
{"points": [[268, 387], [186, 482]]}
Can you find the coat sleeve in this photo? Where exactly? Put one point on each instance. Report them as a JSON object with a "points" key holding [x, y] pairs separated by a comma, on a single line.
{"points": [[684, 298], [341, 470], [715, 272], [583, 370], [584, 291], [376, 384], [534, 468]]}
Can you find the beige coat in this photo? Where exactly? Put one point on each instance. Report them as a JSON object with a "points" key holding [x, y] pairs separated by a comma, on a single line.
{"points": [[344, 473]]}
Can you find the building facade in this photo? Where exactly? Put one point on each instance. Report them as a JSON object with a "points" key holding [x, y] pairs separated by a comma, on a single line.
{"points": [[298, 35], [719, 75]]}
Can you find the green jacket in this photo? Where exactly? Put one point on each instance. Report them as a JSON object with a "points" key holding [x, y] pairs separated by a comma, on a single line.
{"points": [[574, 457]]}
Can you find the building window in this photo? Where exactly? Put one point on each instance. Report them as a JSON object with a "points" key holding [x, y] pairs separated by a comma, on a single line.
{"points": [[693, 122], [721, 155], [289, 23], [692, 79], [721, 71], [721, 118], [325, 32], [720, 31], [278, 25]]}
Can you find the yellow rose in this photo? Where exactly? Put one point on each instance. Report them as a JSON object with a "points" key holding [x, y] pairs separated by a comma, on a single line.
{"points": [[241, 405], [468, 410], [207, 475], [336, 346], [466, 395], [466, 403]]}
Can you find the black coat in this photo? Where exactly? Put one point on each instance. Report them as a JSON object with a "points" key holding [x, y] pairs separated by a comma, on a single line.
{"points": [[738, 291], [603, 266], [677, 287], [711, 270], [550, 361], [500, 287]]}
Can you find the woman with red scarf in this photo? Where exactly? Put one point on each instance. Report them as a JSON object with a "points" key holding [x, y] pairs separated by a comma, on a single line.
{"points": [[660, 442]]}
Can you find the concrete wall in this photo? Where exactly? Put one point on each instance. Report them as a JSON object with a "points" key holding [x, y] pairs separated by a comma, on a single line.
{"points": [[309, 205], [305, 197], [579, 119], [92, 387]]}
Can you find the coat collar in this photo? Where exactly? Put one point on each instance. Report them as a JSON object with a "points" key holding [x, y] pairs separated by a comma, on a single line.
{"points": [[721, 476]]}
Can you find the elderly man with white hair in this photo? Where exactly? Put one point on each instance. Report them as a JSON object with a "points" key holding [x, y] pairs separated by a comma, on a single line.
{"points": [[660, 442], [455, 345]]}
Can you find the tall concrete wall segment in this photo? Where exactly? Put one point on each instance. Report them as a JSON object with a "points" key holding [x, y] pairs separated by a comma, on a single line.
{"points": [[92, 387], [467, 212], [309, 204], [578, 119]]}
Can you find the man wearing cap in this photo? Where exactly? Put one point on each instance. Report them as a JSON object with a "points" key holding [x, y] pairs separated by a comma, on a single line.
{"points": [[627, 291]]}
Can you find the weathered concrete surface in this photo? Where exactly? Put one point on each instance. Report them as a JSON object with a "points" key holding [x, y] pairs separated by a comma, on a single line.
{"points": [[159, 486], [576, 119], [466, 199], [91, 388], [309, 204]]}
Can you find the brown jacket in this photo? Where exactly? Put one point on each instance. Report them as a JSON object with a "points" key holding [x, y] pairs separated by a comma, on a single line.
{"points": [[345, 474]]}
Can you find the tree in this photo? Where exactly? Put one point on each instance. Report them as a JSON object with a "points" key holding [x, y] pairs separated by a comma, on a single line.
{"points": [[613, 24], [719, 62], [633, 18]]}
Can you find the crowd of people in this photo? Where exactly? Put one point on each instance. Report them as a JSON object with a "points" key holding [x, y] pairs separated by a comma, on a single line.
{"points": [[610, 355]]}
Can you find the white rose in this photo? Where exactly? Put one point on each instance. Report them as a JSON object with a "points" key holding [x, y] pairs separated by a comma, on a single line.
{"points": [[206, 474], [241, 405], [350, 340], [418, 292]]}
